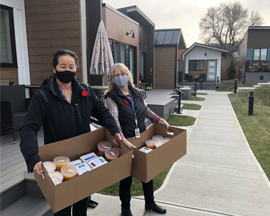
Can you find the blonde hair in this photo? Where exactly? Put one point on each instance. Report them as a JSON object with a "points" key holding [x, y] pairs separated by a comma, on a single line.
{"points": [[122, 68]]}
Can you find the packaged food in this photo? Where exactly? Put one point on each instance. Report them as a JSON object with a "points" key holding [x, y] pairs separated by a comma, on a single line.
{"points": [[150, 143], [97, 162], [157, 138], [69, 171], [50, 166], [158, 143], [111, 154], [103, 146], [75, 162], [56, 177], [166, 139], [88, 157], [145, 149], [83, 168], [60, 162]]}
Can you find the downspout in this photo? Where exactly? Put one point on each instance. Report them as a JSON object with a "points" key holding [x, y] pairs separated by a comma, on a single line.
{"points": [[176, 60], [83, 41]]}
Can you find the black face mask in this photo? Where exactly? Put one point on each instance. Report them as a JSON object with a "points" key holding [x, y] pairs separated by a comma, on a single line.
{"points": [[65, 76]]}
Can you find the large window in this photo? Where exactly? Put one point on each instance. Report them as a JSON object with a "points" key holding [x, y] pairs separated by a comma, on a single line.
{"points": [[196, 65], [7, 38], [260, 54], [119, 52]]}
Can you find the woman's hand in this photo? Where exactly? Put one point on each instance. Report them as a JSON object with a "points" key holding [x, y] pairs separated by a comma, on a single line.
{"points": [[129, 144], [38, 168], [118, 135], [164, 122]]}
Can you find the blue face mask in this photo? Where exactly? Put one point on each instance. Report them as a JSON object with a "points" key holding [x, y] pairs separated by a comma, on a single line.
{"points": [[120, 81]]}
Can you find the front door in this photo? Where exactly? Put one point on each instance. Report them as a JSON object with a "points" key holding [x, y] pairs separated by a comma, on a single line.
{"points": [[211, 70]]}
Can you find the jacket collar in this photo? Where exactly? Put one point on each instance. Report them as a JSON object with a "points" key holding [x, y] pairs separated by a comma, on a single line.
{"points": [[77, 88]]}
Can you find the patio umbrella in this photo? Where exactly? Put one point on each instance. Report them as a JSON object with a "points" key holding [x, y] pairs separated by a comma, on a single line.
{"points": [[102, 60]]}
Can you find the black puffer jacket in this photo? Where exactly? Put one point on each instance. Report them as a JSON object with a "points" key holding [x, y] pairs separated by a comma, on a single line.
{"points": [[126, 114], [60, 119]]}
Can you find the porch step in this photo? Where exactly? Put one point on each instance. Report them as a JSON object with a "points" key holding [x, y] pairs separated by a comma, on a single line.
{"points": [[28, 205]]}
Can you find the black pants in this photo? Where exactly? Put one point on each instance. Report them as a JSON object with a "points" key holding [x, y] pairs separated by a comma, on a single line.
{"points": [[125, 196], [79, 209]]}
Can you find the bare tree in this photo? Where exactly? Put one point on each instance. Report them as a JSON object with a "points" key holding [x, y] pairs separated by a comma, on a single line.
{"points": [[226, 25]]}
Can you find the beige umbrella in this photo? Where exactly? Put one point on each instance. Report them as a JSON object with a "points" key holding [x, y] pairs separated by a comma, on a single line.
{"points": [[102, 60]]}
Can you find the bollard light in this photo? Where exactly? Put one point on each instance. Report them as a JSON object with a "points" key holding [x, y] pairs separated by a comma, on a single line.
{"points": [[250, 103], [235, 85]]}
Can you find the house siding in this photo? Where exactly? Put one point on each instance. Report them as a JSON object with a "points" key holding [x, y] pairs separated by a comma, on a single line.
{"points": [[165, 67], [51, 25], [10, 74]]}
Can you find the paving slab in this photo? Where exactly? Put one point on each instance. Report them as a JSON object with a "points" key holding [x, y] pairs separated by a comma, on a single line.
{"points": [[220, 155], [220, 190]]}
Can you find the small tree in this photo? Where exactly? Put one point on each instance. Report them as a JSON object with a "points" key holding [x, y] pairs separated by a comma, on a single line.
{"points": [[231, 69]]}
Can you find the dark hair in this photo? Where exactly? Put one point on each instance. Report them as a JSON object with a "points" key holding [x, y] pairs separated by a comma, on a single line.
{"points": [[61, 53]]}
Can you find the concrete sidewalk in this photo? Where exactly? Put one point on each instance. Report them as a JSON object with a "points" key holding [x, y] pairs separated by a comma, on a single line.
{"points": [[218, 176]]}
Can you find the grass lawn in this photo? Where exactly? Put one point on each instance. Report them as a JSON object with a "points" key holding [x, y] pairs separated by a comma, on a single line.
{"points": [[229, 87], [136, 188], [257, 127], [201, 93], [192, 106], [197, 98]]}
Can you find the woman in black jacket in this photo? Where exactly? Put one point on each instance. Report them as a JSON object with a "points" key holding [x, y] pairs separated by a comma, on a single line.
{"points": [[63, 107], [129, 111]]}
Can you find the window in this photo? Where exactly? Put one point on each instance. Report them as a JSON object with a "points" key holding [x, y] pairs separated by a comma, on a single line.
{"points": [[7, 38], [261, 77], [119, 52], [196, 65], [260, 54]]}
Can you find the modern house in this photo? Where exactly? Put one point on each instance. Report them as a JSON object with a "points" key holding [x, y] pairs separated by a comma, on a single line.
{"points": [[202, 63], [255, 55], [167, 66], [146, 43]]}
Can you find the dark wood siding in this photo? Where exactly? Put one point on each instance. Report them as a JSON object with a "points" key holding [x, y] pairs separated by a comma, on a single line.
{"points": [[10, 74], [51, 25], [165, 67]]}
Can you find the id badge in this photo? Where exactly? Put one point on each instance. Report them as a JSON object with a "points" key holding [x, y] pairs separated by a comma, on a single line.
{"points": [[137, 133]]}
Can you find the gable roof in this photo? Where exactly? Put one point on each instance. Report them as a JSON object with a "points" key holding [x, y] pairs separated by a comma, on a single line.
{"points": [[169, 37], [223, 51]]}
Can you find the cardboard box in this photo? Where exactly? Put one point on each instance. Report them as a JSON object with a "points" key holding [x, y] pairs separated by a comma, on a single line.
{"points": [[73, 190], [146, 166]]}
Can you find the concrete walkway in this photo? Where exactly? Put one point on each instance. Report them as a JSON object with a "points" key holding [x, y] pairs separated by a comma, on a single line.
{"points": [[218, 176]]}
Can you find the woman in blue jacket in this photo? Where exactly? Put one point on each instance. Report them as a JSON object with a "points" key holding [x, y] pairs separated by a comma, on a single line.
{"points": [[63, 106]]}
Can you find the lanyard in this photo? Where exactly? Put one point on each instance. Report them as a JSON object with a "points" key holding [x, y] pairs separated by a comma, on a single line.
{"points": [[133, 108], [62, 93]]}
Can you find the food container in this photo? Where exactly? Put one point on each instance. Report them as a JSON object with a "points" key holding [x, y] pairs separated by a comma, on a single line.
{"points": [[60, 162], [88, 157], [50, 166], [145, 149], [75, 162], [69, 171], [102, 147], [56, 177], [83, 168], [150, 143], [157, 138], [158, 143], [97, 162], [111, 154], [166, 139]]}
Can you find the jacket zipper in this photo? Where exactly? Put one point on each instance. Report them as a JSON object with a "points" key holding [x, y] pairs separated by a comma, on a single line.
{"points": [[78, 111], [73, 119]]}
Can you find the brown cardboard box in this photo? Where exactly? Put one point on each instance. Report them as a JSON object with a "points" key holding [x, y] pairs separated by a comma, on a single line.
{"points": [[73, 190], [146, 166]]}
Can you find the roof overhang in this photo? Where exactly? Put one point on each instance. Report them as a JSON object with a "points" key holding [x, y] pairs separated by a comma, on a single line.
{"points": [[223, 51]]}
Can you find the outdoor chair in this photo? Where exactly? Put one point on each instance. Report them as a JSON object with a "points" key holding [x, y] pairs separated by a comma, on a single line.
{"points": [[13, 109]]}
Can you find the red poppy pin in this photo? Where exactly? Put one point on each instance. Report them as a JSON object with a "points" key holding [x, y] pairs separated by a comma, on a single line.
{"points": [[126, 101], [84, 93]]}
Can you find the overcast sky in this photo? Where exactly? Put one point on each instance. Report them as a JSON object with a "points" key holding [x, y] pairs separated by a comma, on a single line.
{"points": [[186, 14]]}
